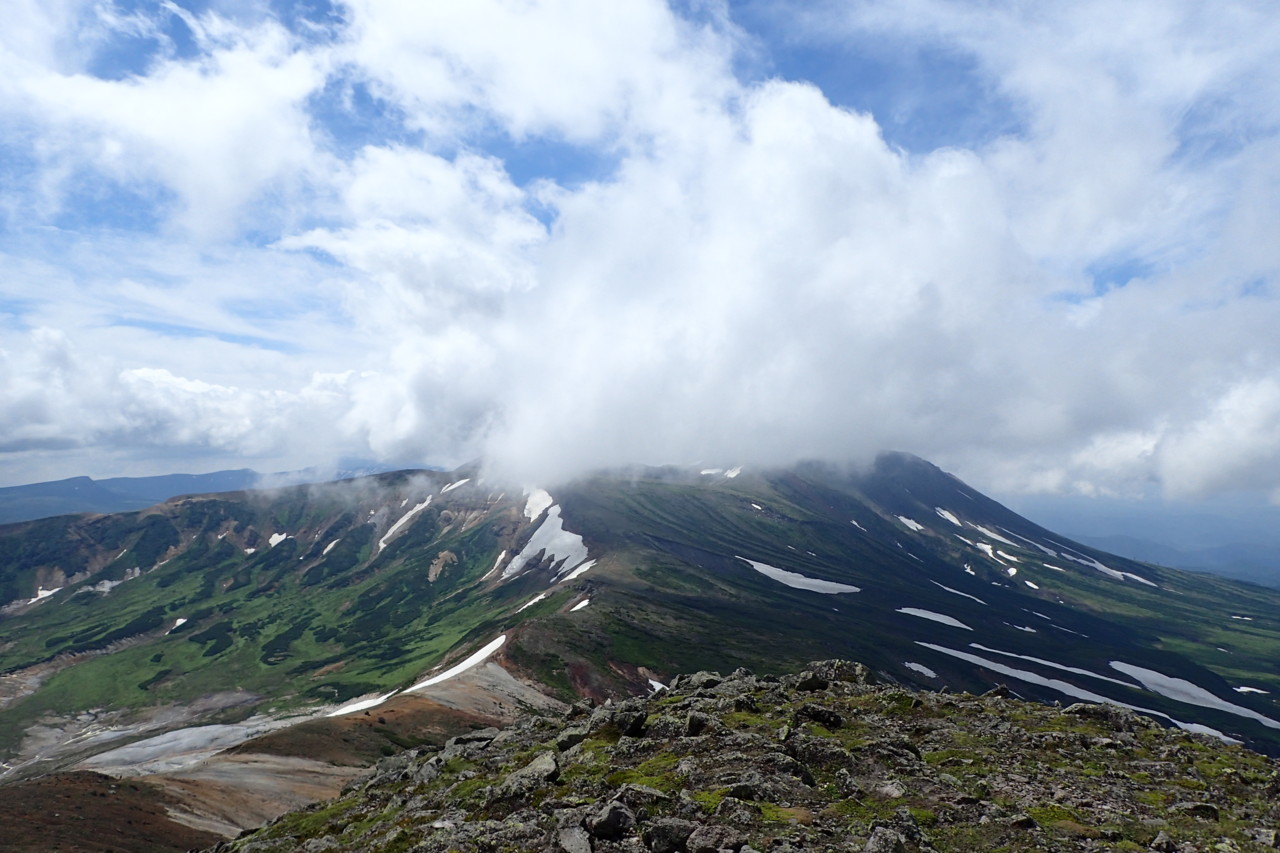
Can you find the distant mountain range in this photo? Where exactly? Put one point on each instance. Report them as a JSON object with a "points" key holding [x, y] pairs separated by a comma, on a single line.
{"points": [[312, 628], [121, 494], [1241, 541]]}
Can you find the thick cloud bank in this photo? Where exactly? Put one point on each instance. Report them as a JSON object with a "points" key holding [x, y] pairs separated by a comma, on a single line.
{"points": [[563, 237]]}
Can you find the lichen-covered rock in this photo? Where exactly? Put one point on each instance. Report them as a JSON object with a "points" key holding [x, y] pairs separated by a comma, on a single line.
{"points": [[823, 760]]}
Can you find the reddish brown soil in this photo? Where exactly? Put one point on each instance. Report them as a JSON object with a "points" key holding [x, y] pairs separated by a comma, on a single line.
{"points": [[74, 812]]}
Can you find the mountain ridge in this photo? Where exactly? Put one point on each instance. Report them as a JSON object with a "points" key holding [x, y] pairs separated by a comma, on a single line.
{"points": [[274, 609]]}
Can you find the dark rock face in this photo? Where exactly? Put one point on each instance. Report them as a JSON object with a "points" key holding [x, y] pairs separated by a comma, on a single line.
{"points": [[823, 760]]}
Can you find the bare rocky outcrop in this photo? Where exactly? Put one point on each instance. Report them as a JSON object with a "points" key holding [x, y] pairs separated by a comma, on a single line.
{"points": [[825, 759]]}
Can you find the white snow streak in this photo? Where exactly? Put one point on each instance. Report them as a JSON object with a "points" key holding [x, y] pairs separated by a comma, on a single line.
{"points": [[452, 486], [1109, 572], [578, 571], [958, 592], [1250, 690], [533, 601], [329, 547], [855, 523], [655, 685], [42, 593], [1070, 689], [934, 617], [496, 563], [799, 581], [733, 472], [361, 705], [277, 538], [920, 668], [948, 516], [402, 521], [581, 604], [1184, 691], [915, 526], [991, 534], [476, 658]]}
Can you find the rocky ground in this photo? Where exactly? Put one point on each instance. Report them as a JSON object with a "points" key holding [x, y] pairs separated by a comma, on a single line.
{"points": [[820, 760]]}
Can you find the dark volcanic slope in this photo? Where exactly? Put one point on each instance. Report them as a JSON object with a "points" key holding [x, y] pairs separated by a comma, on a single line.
{"points": [[820, 760], [310, 596]]}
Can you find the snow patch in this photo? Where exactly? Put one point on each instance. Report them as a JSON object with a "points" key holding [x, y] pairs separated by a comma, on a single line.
{"points": [[855, 523], [581, 604], [452, 486], [532, 601], [991, 534], [1033, 586], [1052, 665], [920, 668], [796, 580], [655, 685], [496, 563], [958, 592], [707, 471], [1070, 689], [1243, 618], [250, 550], [42, 594], [934, 617], [578, 571], [1109, 572], [733, 472], [476, 658], [538, 501], [757, 506], [177, 623], [329, 547], [987, 549], [1243, 689], [915, 526], [554, 542], [277, 538], [948, 516], [402, 521], [1009, 557], [1185, 691]]}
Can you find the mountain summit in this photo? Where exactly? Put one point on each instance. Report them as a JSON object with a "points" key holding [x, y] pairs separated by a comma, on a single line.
{"points": [[326, 625]]}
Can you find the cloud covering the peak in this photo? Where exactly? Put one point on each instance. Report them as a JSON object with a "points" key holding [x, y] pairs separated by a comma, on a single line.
{"points": [[1035, 245]]}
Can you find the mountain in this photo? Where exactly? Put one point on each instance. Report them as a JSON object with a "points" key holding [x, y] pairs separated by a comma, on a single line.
{"points": [[1238, 540], [204, 642], [823, 759], [121, 494], [117, 494]]}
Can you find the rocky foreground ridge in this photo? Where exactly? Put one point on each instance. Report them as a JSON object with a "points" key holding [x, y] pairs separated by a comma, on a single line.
{"points": [[821, 760]]}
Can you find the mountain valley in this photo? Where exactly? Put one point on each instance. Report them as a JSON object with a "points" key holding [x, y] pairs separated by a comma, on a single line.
{"points": [[212, 646]]}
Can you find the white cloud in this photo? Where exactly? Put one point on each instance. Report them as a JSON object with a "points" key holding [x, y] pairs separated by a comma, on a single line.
{"points": [[1084, 302]]}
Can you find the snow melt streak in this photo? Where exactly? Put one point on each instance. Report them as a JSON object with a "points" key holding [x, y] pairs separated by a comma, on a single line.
{"points": [[555, 541], [799, 581]]}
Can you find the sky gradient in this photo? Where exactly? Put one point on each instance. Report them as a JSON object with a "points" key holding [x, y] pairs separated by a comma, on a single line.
{"points": [[1034, 243]]}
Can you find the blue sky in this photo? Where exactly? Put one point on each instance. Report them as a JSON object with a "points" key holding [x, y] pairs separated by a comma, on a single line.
{"points": [[1034, 243]]}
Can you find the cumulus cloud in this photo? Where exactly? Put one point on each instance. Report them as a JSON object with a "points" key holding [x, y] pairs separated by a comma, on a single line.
{"points": [[752, 273]]}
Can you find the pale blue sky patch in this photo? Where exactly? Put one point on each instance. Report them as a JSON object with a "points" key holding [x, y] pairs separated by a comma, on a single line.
{"points": [[173, 330], [306, 230]]}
